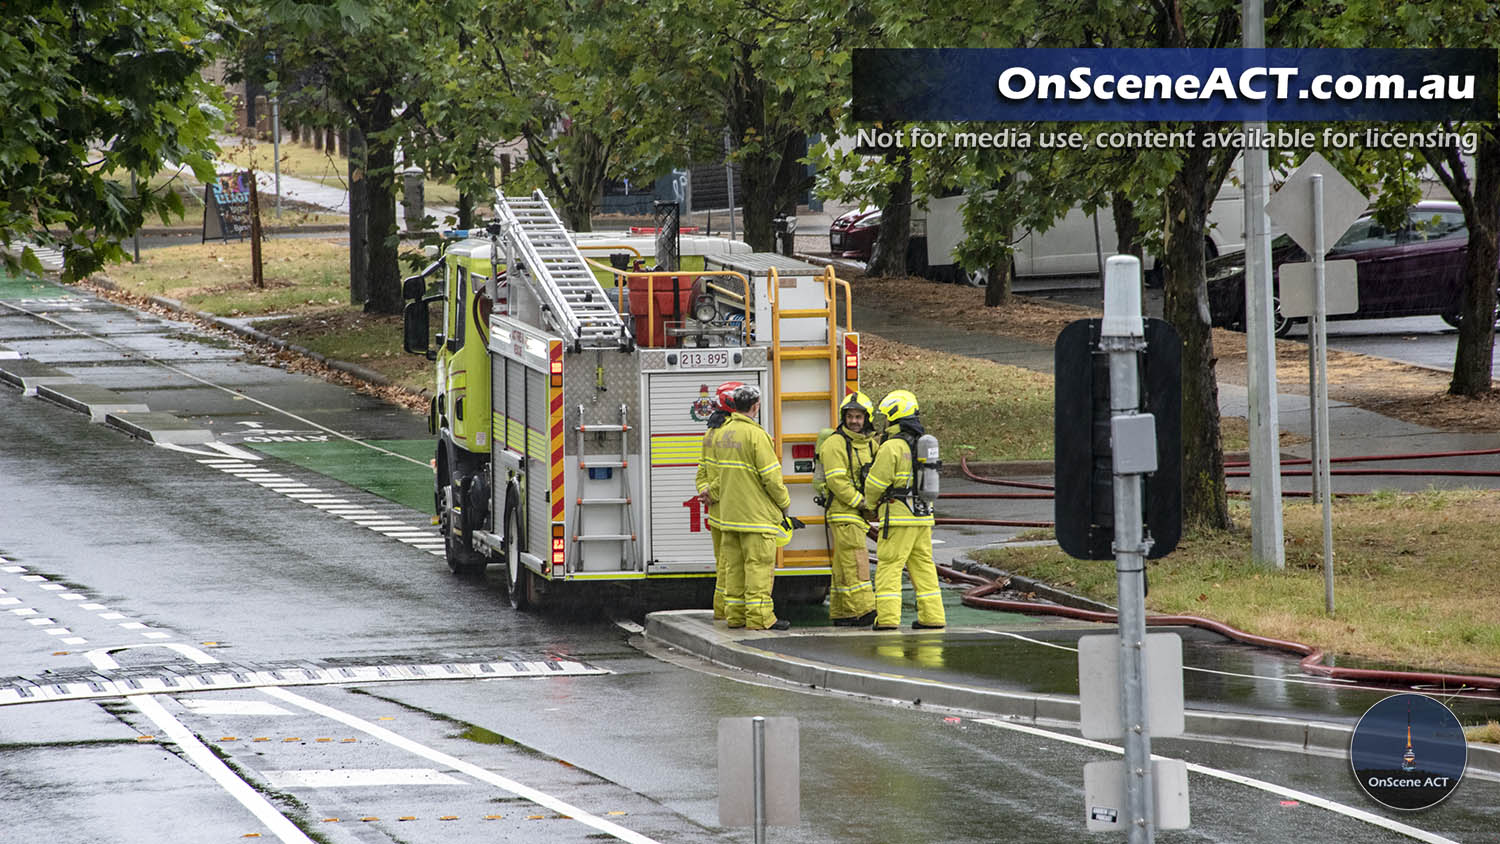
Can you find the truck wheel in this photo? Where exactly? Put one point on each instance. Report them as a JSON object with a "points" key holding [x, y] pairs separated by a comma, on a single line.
{"points": [[519, 581], [462, 559]]}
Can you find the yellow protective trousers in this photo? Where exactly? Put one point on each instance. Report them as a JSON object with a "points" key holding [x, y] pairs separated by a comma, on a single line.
{"points": [[718, 576], [908, 547], [850, 595], [749, 561]]}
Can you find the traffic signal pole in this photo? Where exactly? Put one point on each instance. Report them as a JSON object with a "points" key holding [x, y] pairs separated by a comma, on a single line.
{"points": [[1123, 338]]}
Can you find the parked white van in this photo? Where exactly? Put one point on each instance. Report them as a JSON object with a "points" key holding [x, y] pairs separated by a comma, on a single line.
{"points": [[1074, 245]]}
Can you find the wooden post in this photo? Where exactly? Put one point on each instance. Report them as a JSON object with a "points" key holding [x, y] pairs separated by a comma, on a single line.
{"points": [[256, 273]]}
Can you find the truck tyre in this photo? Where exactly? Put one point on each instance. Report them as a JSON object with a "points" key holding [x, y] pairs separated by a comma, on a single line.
{"points": [[519, 580], [462, 559]]}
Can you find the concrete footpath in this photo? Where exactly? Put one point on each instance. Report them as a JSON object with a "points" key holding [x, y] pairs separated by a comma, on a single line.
{"points": [[1024, 669]]}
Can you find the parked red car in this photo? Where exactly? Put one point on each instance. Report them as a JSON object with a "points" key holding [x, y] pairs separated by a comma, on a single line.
{"points": [[1415, 270], [853, 234]]}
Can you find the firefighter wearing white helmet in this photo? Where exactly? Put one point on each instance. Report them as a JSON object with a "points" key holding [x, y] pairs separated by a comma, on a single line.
{"points": [[906, 530], [752, 503], [846, 456]]}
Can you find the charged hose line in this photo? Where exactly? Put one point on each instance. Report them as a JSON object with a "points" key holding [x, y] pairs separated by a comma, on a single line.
{"points": [[137, 355], [1312, 657]]}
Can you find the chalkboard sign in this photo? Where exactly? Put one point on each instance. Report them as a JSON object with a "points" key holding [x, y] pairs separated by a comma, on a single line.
{"points": [[226, 207]]}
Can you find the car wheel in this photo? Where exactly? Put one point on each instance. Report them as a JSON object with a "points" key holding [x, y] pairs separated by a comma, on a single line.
{"points": [[975, 278], [1455, 317], [1281, 325]]}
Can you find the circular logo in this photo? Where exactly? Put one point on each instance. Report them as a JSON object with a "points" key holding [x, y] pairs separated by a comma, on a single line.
{"points": [[1408, 752]]}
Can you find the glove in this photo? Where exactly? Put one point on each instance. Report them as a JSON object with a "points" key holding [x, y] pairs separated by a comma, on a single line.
{"points": [[796, 522]]}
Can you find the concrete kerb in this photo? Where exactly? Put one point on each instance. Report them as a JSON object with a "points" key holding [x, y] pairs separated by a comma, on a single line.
{"points": [[693, 632], [360, 372]]}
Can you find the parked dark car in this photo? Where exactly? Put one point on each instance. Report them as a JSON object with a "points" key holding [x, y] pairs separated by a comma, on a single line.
{"points": [[853, 234], [1415, 270]]}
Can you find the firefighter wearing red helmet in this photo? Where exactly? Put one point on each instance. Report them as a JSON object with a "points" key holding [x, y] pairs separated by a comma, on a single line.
{"points": [[752, 519], [706, 484]]}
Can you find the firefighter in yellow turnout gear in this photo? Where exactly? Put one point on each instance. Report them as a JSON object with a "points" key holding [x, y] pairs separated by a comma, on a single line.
{"points": [[906, 532], [847, 455], [752, 501], [708, 488]]}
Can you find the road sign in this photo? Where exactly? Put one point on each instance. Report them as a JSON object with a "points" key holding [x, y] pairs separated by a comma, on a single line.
{"points": [[1104, 795], [1099, 686], [779, 785], [1291, 207], [1340, 288]]}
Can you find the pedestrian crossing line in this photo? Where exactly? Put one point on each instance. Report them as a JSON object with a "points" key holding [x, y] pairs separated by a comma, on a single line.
{"points": [[420, 536]]}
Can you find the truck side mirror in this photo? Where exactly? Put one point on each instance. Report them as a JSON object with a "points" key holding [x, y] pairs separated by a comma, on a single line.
{"points": [[413, 287], [414, 337]]}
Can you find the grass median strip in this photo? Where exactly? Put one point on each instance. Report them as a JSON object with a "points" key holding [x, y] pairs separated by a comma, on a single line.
{"points": [[1414, 575]]}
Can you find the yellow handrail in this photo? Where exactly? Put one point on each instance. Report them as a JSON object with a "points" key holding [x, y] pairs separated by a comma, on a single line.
{"points": [[601, 246]]}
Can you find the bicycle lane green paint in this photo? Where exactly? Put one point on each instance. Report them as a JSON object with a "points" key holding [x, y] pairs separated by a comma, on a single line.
{"points": [[24, 286], [406, 483]]}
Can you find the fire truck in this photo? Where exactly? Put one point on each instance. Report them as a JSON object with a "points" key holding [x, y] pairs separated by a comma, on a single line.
{"points": [[571, 397]]}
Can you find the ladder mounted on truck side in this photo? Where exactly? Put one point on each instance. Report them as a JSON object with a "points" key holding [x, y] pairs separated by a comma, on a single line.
{"points": [[541, 252]]}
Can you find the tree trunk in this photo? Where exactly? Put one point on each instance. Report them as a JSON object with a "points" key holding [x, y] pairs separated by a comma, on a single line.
{"points": [[1476, 331], [997, 288], [359, 204], [384, 268], [888, 258], [1205, 504]]}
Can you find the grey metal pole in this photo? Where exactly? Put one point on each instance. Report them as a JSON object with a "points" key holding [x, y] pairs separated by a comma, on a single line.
{"points": [[729, 184], [276, 147], [758, 753], [1320, 433], [1123, 338], [135, 237], [1267, 531]]}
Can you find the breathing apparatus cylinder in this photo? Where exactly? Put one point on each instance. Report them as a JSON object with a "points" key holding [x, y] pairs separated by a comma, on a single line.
{"points": [[925, 465]]}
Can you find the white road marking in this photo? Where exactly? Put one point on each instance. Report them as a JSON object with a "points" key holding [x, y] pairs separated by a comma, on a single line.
{"points": [[220, 706], [6, 602], [207, 762], [1279, 790], [344, 777], [92, 607], [52, 587], [75, 640], [482, 774]]}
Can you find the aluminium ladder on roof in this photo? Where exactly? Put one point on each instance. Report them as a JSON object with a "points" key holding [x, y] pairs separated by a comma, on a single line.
{"points": [[540, 246]]}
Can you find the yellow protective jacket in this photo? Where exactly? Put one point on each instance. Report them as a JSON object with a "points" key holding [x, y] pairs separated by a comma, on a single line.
{"points": [[751, 496], [845, 456], [708, 479], [892, 470]]}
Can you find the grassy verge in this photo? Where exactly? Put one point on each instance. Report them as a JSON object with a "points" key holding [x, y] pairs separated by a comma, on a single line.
{"points": [[300, 274], [1413, 578]]}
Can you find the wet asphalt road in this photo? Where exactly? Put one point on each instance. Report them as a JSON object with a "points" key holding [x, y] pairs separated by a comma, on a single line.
{"points": [[149, 546]]}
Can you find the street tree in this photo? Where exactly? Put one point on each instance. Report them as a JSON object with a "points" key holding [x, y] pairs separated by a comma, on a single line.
{"points": [[771, 73], [92, 94], [357, 58], [1471, 176]]}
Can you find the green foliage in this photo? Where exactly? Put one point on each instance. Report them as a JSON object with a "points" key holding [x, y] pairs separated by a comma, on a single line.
{"points": [[92, 93]]}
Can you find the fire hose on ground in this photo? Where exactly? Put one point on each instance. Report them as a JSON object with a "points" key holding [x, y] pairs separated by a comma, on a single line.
{"points": [[1312, 657]]}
